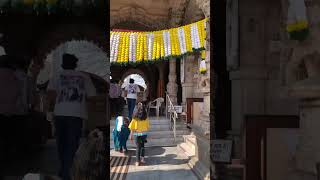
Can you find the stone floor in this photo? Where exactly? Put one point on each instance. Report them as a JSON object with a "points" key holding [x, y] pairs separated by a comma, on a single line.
{"points": [[161, 163], [39, 160]]}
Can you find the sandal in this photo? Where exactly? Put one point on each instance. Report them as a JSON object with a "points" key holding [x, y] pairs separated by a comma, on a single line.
{"points": [[142, 161], [137, 164]]}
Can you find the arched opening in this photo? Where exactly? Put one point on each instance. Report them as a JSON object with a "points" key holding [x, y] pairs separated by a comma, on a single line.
{"points": [[140, 81], [92, 61]]}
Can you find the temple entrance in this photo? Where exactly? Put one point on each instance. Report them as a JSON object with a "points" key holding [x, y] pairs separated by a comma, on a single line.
{"points": [[153, 39], [139, 80]]}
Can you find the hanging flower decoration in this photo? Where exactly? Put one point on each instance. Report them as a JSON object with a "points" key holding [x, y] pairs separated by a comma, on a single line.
{"points": [[203, 68], [149, 47], [297, 24]]}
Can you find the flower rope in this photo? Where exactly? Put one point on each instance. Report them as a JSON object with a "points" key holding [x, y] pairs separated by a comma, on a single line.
{"points": [[149, 47]]}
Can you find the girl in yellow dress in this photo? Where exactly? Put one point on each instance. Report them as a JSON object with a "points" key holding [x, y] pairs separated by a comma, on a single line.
{"points": [[139, 127]]}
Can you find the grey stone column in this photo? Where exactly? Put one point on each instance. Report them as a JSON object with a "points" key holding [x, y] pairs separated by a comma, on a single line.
{"points": [[202, 128], [187, 83], [172, 86], [307, 155]]}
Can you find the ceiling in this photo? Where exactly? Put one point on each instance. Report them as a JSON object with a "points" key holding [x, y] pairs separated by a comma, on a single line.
{"points": [[149, 14]]}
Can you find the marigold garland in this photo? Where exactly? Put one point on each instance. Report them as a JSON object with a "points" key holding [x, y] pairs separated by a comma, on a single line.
{"points": [[137, 47]]}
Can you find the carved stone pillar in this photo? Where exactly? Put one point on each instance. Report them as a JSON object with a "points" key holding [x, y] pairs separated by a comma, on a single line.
{"points": [[303, 82], [307, 155], [308, 91], [201, 128], [160, 91], [172, 86], [176, 13], [187, 82], [204, 82]]}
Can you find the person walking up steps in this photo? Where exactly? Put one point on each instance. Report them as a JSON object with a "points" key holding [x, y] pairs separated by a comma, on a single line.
{"points": [[69, 90], [139, 127], [131, 91], [121, 134]]}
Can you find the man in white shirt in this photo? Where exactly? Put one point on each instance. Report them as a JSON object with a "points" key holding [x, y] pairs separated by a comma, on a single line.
{"points": [[70, 90], [131, 90]]}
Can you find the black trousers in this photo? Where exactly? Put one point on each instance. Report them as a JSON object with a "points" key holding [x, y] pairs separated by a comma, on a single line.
{"points": [[140, 140]]}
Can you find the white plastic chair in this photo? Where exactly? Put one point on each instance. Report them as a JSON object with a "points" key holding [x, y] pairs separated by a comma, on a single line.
{"points": [[156, 104]]}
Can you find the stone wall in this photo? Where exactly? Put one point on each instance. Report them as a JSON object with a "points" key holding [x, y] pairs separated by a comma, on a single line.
{"points": [[256, 85]]}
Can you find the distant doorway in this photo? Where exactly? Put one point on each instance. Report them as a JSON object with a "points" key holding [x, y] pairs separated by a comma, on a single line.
{"points": [[140, 81]]}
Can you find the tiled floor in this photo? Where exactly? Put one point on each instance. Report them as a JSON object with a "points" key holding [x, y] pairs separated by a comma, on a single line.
{"points": [[161, 163]]}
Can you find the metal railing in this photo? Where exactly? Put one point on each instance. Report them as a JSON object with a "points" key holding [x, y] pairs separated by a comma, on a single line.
{"points": [[171, 114]]}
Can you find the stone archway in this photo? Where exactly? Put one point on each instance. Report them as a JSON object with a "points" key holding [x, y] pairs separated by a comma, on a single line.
{"points": [[92, 59], [62, 33], [142, 74]]}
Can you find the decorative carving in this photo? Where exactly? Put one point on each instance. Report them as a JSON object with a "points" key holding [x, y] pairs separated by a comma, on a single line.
{"points": [[204, 5], [138, 14]]}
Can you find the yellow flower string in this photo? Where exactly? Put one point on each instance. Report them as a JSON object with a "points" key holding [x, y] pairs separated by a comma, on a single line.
{"points": [[145, 47], [126, 55], [203, 54], [187, 33], [138, 50], [158, 46], [119, 58], [154, 53], [199, 24], [177, 42], [173, 49], [160, 43], [141, 47]]}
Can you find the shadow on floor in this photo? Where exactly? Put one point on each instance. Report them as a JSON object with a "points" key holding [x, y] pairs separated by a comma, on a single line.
{"points": [[38, 160], [169, 159], [162, 174], [149, 151]]}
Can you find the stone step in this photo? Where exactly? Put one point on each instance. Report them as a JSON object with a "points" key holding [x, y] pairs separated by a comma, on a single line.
{"points": [[152, 122], [189, 150], [164, 134], [161, 126], [153, 128], [199, 168], [190, 139], [153, 142]]}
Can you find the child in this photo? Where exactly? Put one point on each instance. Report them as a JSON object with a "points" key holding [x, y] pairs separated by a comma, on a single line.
{"points": [[139, 127], [124, 135], [121, 133]]}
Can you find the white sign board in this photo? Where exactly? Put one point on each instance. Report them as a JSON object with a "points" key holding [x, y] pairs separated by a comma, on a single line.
{"points": [[221, 150]]}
